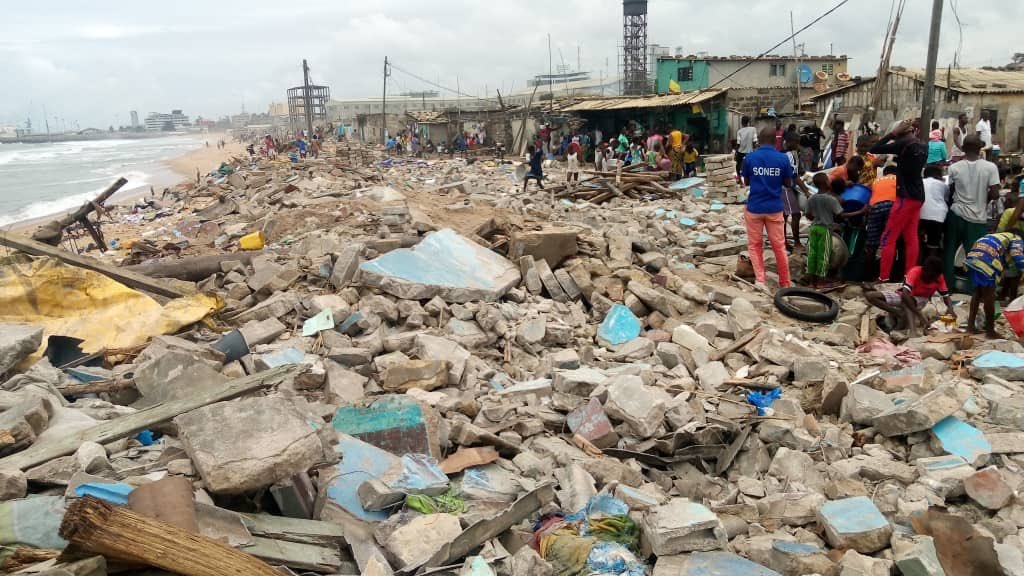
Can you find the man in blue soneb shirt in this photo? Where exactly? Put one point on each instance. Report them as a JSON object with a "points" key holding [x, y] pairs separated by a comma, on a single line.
{"points": [[766, 171]]}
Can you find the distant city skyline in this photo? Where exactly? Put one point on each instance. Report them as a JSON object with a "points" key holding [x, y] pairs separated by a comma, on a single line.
{"points": [[92, 64]]}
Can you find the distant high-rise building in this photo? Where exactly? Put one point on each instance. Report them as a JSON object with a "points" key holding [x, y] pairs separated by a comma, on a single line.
{"points": [[135, 118]]}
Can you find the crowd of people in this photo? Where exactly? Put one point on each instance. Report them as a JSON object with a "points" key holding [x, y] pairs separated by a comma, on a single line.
{"points": [[905, 211]]}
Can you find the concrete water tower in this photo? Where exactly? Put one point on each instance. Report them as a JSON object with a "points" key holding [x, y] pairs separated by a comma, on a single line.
{"points": [[634, 47]]}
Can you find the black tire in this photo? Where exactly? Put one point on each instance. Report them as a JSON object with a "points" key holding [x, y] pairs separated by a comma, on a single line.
{"points": [[830, 313]]}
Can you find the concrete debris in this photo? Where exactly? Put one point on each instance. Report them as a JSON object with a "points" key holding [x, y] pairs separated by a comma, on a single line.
{"points": [[462, 362]]}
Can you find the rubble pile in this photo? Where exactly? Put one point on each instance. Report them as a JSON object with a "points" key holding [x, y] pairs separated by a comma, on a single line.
{"points": [[425, 370]]}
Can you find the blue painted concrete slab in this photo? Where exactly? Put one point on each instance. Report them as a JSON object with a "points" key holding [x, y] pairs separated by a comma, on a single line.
{"points": [[620, 325], [283, 357], [961, 439], [685, 183], [322, 321], [853, 515], [443, 264], [723, 564], [998, 359], [359, 462], [114, 493]]}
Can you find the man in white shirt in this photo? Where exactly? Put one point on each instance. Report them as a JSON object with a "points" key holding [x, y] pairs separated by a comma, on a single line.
{"points": [[984, 130], [973, 183], [746, 138]]}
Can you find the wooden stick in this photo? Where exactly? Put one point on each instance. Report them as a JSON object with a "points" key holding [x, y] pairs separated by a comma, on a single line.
{"points": [[96, 387], [106, 432], [94, 526], [51, 232]]}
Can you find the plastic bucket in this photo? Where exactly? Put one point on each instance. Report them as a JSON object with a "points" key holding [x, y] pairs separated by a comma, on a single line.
{"points": [[232, 345], [1014, 314], [254, 241]]}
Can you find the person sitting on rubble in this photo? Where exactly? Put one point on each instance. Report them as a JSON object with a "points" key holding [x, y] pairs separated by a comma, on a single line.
{"points": [[919, 286], [536, 167], [823, 208]]}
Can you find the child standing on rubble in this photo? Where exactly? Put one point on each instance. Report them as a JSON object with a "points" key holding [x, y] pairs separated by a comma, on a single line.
{"points": [[986, 262], [572, 159], [536, 167], [823, 208]]}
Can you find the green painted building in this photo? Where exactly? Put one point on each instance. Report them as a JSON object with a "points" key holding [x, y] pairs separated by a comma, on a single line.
{"points": [[690, 74]]}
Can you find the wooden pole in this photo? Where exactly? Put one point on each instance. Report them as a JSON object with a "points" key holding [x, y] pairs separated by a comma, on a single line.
{"points": [[94, 526], [52, 232], [193, 268]]}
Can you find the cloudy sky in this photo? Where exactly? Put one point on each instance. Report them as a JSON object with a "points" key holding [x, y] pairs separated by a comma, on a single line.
{"points": [[95, 61]]}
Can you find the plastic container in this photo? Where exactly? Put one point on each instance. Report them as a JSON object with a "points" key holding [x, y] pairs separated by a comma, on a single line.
{"points": [[1014, 314], [254, 241]]}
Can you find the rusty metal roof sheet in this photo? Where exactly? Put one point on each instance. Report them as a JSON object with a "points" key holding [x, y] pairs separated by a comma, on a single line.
{"points": [[629, 103], [973, 80]]}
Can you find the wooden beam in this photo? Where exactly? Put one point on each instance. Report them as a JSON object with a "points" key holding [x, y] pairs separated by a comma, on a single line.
{"points": [[106, 432], [94, 526], [192, 268], [124, 276]]}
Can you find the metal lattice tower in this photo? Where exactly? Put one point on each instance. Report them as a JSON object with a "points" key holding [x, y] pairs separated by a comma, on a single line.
{"points": [[634, 47]]}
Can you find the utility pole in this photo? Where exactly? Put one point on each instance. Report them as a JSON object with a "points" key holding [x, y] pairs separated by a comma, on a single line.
{"points": [[307, 99], [551, 77], [797, 56], [384, 106], [928, 94]]}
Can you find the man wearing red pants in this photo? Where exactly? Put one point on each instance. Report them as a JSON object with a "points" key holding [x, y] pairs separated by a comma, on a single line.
{"points": [[766, 171], [911, 157]]}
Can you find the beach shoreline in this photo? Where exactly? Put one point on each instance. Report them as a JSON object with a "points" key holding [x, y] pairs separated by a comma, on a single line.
{"points": [[169, 173]]}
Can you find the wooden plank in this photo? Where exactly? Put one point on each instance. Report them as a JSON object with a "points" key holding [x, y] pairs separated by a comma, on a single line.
{"points": [[295, 555], [107, 432], [126, 277]]}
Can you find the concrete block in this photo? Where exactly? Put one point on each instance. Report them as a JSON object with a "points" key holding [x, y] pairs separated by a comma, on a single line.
{"points": [[567, 359], [590, 422], [530, 275], [989, 488], [569, 286], [916, 556], [435, 348], [743, 317], [682, 526], [13, 484], [243, 445], [1001, 364], [712, 376], [580, 382], [424, 374], [553, 245], [856, 564], [798, 559], [810, 369], [689, 338], [854, 523], [258, 332], [395, 423], [863, 404]]}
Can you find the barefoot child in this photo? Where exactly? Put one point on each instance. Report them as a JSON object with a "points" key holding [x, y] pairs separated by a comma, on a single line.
{"points": [[986, 261], [823, 208], [919, 286]]}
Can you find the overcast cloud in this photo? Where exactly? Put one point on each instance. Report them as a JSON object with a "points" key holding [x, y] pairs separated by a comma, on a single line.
{"points": [[95, 61]]}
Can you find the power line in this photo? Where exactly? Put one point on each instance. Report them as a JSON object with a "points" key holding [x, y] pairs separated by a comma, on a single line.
{"points": [[784, 40], [960, 26], [436, 85]]}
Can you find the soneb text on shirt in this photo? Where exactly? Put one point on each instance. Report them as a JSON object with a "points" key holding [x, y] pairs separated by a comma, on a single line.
{"points": [[766, 171]]}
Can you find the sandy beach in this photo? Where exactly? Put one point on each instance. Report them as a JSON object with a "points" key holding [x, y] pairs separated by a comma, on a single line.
{"points": [[178, 169]]}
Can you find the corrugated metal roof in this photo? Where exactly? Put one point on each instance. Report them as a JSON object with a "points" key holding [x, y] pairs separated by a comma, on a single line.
{"points": [[973, 80], [629, 103], [847, 85], [428, 116]]}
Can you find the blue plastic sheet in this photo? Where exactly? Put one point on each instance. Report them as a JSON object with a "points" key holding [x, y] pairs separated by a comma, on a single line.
{"points": [[619, 326], [763, 400], [145, 437], [113, 493]]}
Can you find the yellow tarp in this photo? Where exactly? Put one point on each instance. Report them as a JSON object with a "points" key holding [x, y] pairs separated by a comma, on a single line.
{"points": [[75, 302]]}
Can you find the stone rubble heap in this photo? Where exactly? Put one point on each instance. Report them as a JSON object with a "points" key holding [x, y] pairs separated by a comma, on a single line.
{"points": [[447, 363]]}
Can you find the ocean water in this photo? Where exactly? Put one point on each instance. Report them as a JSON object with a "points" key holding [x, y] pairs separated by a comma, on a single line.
{"points": [[43, 179]]}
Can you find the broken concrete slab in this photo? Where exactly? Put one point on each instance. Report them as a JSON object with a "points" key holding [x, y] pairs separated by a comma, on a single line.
{"points": [[248, 444], [709, 564], [682, 526], [862, 404], [173, 376], [998, 363], [17, 342], [854, 523], [920, 414], [916, 556], [798, 558], [343, 386], [346, 265], [444, 264], [641, 407], [961, 439]]}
